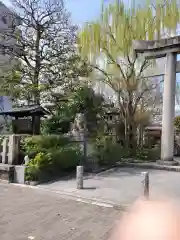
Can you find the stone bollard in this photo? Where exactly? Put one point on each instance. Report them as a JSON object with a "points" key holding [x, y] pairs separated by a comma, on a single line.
{"points": [[146, 185], [79, 177]]}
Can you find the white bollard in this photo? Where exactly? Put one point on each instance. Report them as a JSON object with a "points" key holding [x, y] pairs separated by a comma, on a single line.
{"points": [[79, 177], [146, 184]]}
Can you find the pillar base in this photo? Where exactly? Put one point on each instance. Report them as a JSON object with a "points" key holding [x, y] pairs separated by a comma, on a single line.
{"points": [[169, 162]]}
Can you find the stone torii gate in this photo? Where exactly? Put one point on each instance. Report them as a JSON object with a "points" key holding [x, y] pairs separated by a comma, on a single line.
{"points": [[168, 48]]}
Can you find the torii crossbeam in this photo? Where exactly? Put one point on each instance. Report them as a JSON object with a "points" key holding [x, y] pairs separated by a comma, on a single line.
{"points": [[168, 48]]}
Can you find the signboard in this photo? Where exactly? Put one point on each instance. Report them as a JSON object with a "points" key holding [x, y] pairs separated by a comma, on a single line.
{"points": [[22, 126]]}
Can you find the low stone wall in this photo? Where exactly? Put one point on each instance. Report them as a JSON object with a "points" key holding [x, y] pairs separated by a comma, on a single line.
{"points": [[7, 172], [12, 174]]}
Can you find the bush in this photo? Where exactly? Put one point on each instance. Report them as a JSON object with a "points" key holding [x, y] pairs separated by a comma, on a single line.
{"points": [[32, 173], [50, 156], [142, 154], [34, 145], [152, 154], [69, 155], [107, 151]]}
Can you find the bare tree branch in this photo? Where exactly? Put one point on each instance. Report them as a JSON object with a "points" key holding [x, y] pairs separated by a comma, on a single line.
{"points": [[45, 43]]}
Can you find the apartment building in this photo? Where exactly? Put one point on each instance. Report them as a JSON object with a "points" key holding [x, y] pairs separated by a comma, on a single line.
{"points": [[8, 31], [156, 76], [8, 21]]}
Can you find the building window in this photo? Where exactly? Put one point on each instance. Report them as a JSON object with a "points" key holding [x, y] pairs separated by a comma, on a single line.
{"points": [[4, 19], [3, 50]]}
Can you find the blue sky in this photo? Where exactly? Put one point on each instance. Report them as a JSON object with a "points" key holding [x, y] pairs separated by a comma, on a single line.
{"points": [[88, 10], [81, 10]]}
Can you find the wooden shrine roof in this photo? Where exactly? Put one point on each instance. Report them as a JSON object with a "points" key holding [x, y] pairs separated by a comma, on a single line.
{"points": [[26, 110]]}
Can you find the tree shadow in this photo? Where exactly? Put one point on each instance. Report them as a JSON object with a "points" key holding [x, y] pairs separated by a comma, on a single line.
{"points": [[89, 188]]}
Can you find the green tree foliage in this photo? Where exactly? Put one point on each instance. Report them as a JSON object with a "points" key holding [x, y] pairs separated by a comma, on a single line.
{"points": [[10, 78], [177, 123], [82, 100], [45, 45], [107, 44]]}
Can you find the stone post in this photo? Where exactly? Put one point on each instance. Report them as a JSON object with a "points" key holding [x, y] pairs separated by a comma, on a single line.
{"points": [[79, 177], [79, 132], [4, 151], [168, 113], [13, 149], [146, 185]]}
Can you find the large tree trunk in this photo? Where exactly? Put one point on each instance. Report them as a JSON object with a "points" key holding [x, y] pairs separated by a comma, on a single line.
{"points": [[131, 125], [36, 93]]}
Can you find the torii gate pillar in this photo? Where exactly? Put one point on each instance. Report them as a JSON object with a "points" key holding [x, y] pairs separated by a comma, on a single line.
{"points": [[168, 113], [168, 48]]}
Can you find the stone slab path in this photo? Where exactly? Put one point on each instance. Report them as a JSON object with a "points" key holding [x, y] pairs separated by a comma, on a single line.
{"points": [[36, 214], [121, 186]]}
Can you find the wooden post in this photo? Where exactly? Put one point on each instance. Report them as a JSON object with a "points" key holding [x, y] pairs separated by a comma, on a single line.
{"points": [[146, 185], [79, 177]]}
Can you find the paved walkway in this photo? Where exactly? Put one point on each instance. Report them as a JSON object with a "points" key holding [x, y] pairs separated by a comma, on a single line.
{"points": [[36, 214], [122, 186]]}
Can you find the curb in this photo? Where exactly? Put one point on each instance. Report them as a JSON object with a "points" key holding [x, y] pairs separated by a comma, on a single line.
{"points": [[77, 198], [151, 166]]}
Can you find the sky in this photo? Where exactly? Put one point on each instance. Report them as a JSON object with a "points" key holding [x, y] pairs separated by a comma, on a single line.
{"points": [[81, 10], [86, 10], [89, 10]]}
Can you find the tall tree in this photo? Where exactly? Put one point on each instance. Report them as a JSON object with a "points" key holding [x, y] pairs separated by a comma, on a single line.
{"points": [[46, 47], [107, 44], [82, 100]]}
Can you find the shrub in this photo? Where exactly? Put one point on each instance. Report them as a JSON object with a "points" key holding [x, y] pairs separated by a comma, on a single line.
{"points": [[32, 173], [152, 154], [142, 154], [66, 158], [36, 144], [107, 150], [50, 156]]}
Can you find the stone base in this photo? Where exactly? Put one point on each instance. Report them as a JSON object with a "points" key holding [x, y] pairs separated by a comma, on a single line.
{"points": [[7, 172], [167, 163], [19, 174], [33, 183]]}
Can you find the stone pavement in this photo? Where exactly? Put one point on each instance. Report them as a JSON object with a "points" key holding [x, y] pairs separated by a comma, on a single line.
{"points": [[121, 186], [27, 213]]}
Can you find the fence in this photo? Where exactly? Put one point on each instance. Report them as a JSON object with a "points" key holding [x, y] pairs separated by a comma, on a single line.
{"points": [[100, 152], [9, 150], [10, 147]]}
